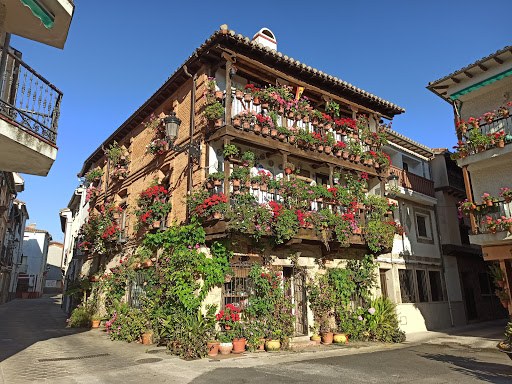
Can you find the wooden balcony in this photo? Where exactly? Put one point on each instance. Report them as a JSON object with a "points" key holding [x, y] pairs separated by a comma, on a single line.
{"points": [[413, 182]]}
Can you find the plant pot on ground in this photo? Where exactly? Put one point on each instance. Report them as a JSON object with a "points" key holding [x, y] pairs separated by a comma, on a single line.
{"points": [[327, 337], [147, 338], [273, 345], [213, 348], [239, 345]]}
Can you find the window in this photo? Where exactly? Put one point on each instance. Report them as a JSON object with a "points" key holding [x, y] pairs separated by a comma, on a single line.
{"points": [[436, 288], [237, 289], [421, 278], [406, 278], [421, 222], [383, 282], [405, 166]]}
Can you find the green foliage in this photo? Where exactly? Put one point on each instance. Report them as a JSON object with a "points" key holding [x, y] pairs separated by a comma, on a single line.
{"points": [[114, 153], [214, 111], [127, 324], [216, 176], [286, 226], [383, 324], [333, 108], [322, 300], [93, 174], [80, 317], [230, 150]]}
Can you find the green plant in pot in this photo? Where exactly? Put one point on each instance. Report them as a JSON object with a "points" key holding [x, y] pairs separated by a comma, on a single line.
{"points": [[498, 275], [214, 112], [230, 150], [216, 178]]}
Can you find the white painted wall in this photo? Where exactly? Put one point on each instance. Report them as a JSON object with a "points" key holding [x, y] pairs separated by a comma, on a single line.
{"points": [[35, 247]]}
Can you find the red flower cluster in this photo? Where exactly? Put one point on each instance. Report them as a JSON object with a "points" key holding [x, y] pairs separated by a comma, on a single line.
{"points": [[110, 231], [265, 121], [154, 192], [276, 209], [349, 123], [211, 201], [146, 216], [230, 315], [340, 145], [497, 135], [251, 88], [398, 228], [364, 176]]}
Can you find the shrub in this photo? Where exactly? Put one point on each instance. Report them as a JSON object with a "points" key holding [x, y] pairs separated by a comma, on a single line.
{"points": [[80, 317], [383, 323], [126, 324]]}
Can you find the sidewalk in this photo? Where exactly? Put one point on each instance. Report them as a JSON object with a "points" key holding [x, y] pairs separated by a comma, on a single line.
{"points": [[483, 335]]}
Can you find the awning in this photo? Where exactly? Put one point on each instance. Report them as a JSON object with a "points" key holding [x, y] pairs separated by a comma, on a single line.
{"points": [[39, 11], [481, 84]]}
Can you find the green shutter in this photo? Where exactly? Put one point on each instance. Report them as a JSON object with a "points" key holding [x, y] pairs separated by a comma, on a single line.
{"points": [[46, 17]]}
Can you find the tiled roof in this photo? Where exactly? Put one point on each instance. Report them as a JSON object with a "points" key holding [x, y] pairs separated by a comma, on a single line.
{"points": [[35, 230], [465, 69], [230, 34], [408, 143]]}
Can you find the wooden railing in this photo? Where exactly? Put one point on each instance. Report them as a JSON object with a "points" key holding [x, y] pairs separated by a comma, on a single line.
{"points": [[411, 181]]}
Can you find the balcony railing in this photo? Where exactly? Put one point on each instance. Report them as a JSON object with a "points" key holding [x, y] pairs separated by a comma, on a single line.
{"points": [[500, 124], [414, 182], [27, 98], [499, 210]]}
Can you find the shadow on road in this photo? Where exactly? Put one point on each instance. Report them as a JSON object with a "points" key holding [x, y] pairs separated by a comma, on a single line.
{"points": [[26, 322], [484, 371]]}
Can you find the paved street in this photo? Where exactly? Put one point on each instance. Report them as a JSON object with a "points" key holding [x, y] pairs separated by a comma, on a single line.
{"points": [[35, 347]]}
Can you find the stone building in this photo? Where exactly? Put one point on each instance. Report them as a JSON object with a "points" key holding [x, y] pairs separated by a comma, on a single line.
{"points": [[195, 152]]}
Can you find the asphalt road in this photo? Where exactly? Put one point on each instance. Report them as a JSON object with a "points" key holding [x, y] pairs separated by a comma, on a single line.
{"points": [[417, 364], [36, 347]]}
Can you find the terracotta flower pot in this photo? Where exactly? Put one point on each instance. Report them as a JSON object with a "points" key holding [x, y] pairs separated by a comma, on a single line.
{"points": [[291, 139], [327, 150], [247, 97], [95, 323], [281, 136], [346, 155], [213, 348], [264, 131], [236, 122], [209, 185], [239, 345], [261, 347], [146, 338], [327, 337], [219, 123], [239, 95], [273, 132], [246, 125], [316, 338], [288, 170], [489, 120], [257, 128], [217, 183], [225, 348], [236, 183], [217, 215], [264, 106], [255, 185], [501, 144], [156, 224], [263, 187], [320, 148], [338, 153], [501, 283], [219, 95], [489, 202]]}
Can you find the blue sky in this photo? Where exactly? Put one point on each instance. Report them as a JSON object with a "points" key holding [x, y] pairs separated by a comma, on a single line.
{"points": [[117, 55]]}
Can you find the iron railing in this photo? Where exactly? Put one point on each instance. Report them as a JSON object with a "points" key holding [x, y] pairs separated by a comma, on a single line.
{"points": [[27, 98], [497, 211]]}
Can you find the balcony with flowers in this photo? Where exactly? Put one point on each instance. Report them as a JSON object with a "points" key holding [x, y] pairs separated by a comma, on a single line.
{"points": [[275, 118], [297, 203], [485, 137], [493, 218]]}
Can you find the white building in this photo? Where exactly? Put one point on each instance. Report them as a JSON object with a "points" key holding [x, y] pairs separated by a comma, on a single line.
{"points": [[19, 219], [35, 253], [413, 274], [54, 278]]}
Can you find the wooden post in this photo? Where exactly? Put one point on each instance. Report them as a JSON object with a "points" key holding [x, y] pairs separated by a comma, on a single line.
{"points": [[331, 172], [285, 161], [227, 114], [469, 196], [505, 267], [227, 170]]}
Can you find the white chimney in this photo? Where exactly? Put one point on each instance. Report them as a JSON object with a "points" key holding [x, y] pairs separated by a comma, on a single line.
{"points": [[266, 37]]}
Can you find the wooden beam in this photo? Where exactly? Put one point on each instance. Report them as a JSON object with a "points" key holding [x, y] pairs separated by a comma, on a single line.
{"points": [[455, 80], [441, 87], [468, 74], [498, 60], [482, 67], [227, 114]]}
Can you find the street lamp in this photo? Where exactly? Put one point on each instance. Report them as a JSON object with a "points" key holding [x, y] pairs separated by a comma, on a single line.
{"points": [[393, 184], [172, 126]]}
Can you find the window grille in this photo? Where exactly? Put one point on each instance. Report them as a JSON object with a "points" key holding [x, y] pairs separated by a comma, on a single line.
{"points": [[421, 277], [406, 278], [436, 287], [137, 290], [238, 289]]}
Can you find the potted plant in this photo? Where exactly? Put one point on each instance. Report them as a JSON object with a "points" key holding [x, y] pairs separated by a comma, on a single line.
{"points": [[247, 118], [94, 175], [238, 174], [216, 178], [282, 133], [238, 336], [213, 114], [503, 112], [152, 205], [462, 127], [239, 93], [505, 346], [228, 317], [503, 295], [489, 117], [231, 151], [156, 146], [340, 338], [497, 275], [213, 345], [273, 343], [147, 336], [475, 122], [466, 207], [96, 320], [248, 158], [225, 345], [488, 199]]}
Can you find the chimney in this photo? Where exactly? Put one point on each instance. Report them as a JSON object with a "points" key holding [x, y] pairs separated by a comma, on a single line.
{"points": [[32, 225], [266, 37]]}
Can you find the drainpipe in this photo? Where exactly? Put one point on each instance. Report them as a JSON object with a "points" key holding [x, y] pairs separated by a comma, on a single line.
{"points": [[191, 131], [442, 266]]}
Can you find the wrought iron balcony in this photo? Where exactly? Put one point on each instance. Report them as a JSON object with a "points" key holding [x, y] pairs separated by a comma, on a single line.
{"points": [[413, 182], [498, 210], [27, 98]]}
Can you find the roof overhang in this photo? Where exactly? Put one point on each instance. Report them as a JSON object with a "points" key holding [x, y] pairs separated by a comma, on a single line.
{"points": [[480, 74], [210, 52], [45, 21]]}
